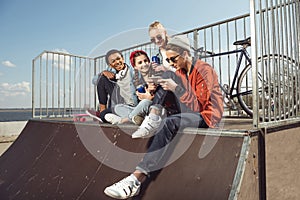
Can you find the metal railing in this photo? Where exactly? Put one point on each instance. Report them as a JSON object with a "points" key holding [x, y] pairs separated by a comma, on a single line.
{"points": [[55, 96], [62, 82], [276, 79]]}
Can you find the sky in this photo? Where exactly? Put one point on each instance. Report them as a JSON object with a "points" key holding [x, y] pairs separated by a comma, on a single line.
{"points": [[28, 27]]}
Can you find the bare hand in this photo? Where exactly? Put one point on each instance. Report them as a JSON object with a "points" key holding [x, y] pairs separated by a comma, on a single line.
{"points": [[167, 84], [151, 87], [108, 74], [145, 95], [158, 67]]}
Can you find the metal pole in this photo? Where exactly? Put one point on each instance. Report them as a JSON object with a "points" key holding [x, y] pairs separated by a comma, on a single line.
{"points": [[33, 89], [254, 61], [195, 38], [95, 86], [262, 165], [261, 138]]}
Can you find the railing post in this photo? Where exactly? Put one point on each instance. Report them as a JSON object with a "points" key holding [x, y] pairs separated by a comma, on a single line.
{"points": [[261, 134], [262, 164], [32, 89], [254, 62], [95, 86], [195, 38]]}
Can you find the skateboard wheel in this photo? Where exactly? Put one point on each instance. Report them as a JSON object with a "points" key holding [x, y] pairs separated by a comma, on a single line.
{"points": [[82, 119]]}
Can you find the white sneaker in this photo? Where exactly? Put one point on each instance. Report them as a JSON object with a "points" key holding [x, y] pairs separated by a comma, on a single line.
{"points": [[125, 188], [112, 118], [147, 128]]}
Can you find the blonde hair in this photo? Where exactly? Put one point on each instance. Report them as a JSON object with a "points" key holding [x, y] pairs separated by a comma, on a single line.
{"points": [[156, 25]]}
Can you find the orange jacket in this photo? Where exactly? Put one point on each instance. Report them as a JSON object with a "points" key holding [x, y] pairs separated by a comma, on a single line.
{"points": [[202, 92]]}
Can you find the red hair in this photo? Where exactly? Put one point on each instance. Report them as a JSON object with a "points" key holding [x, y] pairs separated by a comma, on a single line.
{"points": [[135, 54]]}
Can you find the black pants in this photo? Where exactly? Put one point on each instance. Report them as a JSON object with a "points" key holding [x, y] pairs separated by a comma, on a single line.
{"points": [[105, 88]]}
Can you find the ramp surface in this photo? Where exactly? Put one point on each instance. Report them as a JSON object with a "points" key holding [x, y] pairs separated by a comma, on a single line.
{"points": [[50, 160]]}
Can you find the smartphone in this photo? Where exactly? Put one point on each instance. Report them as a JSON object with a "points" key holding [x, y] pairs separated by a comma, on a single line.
{"points": [[155, 79], [141, 89]]}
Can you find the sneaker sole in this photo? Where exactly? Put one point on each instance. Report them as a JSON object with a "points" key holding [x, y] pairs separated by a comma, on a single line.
{"points": [[144, 136], [107, 192], [113, 196]]}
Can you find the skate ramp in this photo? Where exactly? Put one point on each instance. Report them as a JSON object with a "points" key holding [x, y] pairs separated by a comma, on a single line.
{"points": [[50, 160]]}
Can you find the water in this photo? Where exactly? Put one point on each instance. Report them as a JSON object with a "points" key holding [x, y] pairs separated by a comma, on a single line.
{"points": [[24, 114], [15, 114]]}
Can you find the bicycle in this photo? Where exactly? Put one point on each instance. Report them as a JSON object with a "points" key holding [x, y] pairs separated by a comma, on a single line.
{"points": [[277, 95]]}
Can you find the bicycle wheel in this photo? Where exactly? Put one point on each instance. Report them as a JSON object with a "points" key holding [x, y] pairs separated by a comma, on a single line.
{"points": [[277, 95]]}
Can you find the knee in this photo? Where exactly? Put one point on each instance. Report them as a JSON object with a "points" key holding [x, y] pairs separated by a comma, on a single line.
{"points": [[102, 80]]}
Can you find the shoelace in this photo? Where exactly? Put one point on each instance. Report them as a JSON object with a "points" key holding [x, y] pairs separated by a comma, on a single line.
{"points": [[123, 182]]}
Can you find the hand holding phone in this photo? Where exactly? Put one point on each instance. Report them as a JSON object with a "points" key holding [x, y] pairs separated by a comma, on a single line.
{"points": [[168, 84], [154, 79]]}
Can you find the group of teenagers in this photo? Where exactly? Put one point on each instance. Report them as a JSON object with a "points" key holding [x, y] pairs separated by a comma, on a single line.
{"points": [[184, 93]]}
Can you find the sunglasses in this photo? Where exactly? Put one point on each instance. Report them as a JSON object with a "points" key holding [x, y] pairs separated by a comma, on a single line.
{"points": [[173, 59], [158, 37]]}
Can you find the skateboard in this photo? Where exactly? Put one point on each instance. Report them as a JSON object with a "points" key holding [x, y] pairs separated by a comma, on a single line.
{"points": [[80, 117]]}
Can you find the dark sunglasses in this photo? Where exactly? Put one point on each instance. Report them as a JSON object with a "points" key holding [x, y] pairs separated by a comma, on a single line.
{"points": [[172, 59], [158, 37]]}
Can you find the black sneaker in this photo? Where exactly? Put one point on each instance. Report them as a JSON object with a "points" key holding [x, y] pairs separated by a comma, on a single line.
{"points": [[93, 114]]}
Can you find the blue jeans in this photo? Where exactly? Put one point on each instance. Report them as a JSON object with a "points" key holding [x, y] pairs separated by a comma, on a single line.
{"points": [[153, 159], [141, 109]]}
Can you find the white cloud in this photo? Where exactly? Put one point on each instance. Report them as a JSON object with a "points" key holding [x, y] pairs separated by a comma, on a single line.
{"points": [[61, 51], [17, 89], [8, 63], [60, 60], [17, 95]]}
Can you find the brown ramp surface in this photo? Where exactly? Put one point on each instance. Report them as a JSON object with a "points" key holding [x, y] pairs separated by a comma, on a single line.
{"points": [[63, 160]]}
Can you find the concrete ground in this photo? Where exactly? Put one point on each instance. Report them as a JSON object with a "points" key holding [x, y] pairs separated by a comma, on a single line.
{"points": [[5, 142], [9, 131], [4, 147]]}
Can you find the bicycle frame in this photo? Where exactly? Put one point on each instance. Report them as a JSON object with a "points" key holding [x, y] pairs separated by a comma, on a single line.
{"points": [[243, 53]]}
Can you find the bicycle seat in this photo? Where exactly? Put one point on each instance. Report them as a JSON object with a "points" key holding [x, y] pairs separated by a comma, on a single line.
{"points": [[246, 41]]}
